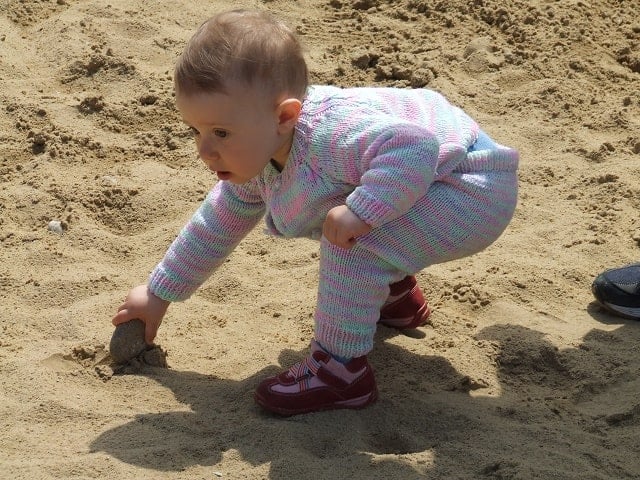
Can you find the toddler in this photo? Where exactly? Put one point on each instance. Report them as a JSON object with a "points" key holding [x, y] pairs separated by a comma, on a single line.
{"points": [[389, 180]]}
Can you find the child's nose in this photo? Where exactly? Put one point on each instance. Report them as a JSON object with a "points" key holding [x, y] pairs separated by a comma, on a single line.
{"points": [[207, 151]]}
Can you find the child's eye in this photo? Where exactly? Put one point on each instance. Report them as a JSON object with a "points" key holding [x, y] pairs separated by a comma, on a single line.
{"points": [[194, 132], [220, 133]]}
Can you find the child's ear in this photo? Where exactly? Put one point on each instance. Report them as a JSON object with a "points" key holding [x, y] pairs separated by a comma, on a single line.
{"points": [[288, 112]]}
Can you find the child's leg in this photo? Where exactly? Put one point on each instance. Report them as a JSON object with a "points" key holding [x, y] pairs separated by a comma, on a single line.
{"points": [[354, 284], [455, 219], [352, 288]]}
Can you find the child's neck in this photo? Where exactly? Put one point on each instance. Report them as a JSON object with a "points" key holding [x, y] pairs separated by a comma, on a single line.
{"points": [[282, 154]]}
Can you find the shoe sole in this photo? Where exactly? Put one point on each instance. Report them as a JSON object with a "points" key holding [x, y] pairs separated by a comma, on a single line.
{"points": [[631, 313], [354, 404]]}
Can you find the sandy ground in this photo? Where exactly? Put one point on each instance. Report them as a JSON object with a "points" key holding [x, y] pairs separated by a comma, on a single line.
{"points": [[519, 375]]}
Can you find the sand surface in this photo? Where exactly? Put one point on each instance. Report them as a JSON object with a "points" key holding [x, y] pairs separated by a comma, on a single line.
{"points": [[519, 375]]}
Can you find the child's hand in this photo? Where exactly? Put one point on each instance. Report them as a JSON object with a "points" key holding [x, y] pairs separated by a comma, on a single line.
{"points": [[141, 303], [342, 227]]}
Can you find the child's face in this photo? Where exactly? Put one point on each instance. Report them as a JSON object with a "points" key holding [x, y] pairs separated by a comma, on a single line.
{"points": [[236, 134]]}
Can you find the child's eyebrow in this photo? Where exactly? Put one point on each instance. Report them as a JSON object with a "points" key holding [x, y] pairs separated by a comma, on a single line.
{"points": [[209, 124]]}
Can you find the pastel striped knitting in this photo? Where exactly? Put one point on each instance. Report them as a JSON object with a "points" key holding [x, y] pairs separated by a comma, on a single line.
{"points": [[405, 161]]}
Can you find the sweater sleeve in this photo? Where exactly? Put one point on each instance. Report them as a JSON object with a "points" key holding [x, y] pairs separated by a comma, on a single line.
{"points": [[392, 165], [224, 218], [389, 144]]}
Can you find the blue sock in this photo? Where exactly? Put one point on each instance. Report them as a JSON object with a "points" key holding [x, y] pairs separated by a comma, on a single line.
{"points": [[342, 360]]}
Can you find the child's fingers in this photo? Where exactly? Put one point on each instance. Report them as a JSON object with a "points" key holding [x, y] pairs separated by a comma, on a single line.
{"points": [[122, 316], [342, 241], [149, 333]]}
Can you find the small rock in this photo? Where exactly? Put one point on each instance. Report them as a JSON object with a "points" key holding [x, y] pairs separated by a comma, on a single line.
{"points": [[127, 341], [56, 226]]}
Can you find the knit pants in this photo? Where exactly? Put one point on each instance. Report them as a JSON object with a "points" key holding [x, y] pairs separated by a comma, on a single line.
{"points": [[460, 215]]}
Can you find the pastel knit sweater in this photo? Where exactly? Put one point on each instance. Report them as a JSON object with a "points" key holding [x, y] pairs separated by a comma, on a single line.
{"points": [[406, 162]]}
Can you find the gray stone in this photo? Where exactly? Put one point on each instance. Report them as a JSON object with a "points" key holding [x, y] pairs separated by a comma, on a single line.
{"points": [[127, 341]]}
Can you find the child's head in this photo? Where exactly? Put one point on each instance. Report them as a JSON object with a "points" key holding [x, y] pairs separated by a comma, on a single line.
{"points": [[243, 48]]}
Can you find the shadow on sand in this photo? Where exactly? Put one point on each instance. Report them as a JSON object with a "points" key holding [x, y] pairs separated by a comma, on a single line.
{"points": [[425, 418]]}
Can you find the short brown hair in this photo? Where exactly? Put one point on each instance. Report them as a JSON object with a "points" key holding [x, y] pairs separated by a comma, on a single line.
{"points": [[250, 46]]}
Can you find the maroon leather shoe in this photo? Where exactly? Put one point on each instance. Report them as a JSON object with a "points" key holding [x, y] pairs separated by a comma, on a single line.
{"points": [[406, 307], [318, 383]]}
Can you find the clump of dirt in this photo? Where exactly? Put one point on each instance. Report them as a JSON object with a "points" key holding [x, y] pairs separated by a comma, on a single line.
{"points": [[98, 358]]}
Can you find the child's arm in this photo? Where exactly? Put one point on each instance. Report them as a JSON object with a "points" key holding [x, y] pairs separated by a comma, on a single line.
{"points": [[391, 164], [397, 170], [225, 217], [392, 158]]}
